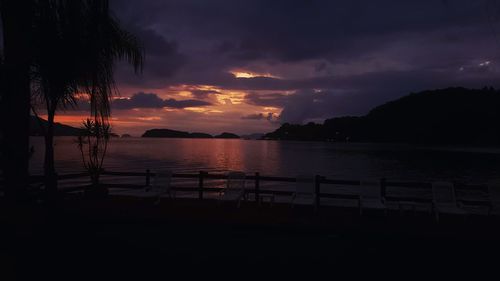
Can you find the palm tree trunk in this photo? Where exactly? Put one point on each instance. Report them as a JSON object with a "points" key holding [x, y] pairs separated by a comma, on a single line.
{"points": [[16, 19], [49, 165]]}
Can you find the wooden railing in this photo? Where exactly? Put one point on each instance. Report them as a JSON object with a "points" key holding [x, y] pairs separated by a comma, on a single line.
{"points": [[256, 178], [319, 183]]}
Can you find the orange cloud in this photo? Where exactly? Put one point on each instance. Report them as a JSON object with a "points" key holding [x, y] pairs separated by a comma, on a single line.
{"points": [[249, 74]]}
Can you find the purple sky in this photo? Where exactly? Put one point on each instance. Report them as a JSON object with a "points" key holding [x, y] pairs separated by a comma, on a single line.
{"points": [[247, 66]]}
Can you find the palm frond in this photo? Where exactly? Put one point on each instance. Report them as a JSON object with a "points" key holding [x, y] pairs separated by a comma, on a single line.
{"points": [[79, 43]]}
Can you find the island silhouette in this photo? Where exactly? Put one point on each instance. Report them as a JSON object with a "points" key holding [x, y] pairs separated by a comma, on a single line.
{"points": [[167, 133], [451, 116]]}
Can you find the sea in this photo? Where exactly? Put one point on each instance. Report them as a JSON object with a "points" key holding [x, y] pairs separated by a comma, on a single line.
{"points": [[353, 161], [342, 161]]}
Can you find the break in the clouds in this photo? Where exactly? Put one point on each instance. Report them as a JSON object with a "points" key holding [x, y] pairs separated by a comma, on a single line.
{"points": [[230, 64]]}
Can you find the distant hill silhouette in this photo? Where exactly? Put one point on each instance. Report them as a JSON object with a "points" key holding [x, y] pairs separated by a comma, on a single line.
{"points": [[226, 135], [445, 116], [167, 133], [59, 129]]}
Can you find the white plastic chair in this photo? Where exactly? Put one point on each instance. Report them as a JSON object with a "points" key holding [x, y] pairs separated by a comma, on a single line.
{"points": [[444, 200], [161, 185], [304, 191], [371, 197], [235, 188]]}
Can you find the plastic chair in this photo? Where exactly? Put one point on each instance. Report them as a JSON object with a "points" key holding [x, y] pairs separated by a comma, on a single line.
{"points": [[444, 200], [161, 185], [235, 188]]}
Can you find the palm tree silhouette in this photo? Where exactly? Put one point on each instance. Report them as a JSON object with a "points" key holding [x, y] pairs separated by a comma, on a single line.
{"points": [[57, 50], [77, 45]]}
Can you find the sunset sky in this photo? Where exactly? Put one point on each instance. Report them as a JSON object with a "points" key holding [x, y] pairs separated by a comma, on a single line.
{"points": [[248, 66]]}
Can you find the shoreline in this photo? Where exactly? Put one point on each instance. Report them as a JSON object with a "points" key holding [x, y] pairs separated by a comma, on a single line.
{"points": [[489, 149]]}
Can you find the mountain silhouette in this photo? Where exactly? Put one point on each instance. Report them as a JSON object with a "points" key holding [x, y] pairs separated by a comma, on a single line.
{"points": [[226, 135], [37, 128], [167, 133], [444, 116]]}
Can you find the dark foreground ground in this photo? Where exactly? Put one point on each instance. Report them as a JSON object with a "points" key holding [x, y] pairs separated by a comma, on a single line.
{"points": [[126, 238]]}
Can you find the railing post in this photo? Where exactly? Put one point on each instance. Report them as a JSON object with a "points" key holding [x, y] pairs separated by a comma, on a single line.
{"points": [[317, 182], [200, 185], [257, 187], [148, 177]]}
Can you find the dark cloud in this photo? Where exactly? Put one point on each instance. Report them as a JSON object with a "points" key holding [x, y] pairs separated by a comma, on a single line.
{"points": [[295, 30], [357, 94], [162, 60], [402, 80], [300, 107], [185, 103], [306, 106], [259, 116], [303, 106], [139, 100], [154, 43], [273, 99], [208, 38], [151, 100]]}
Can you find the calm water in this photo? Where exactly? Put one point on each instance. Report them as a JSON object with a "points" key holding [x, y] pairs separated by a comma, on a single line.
{"points": [[334, 160]]}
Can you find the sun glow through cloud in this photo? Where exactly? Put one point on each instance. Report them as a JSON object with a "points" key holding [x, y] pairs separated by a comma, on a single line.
{"points": [[229, 98], [250, 74], [151, 118], [196, 109]]}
